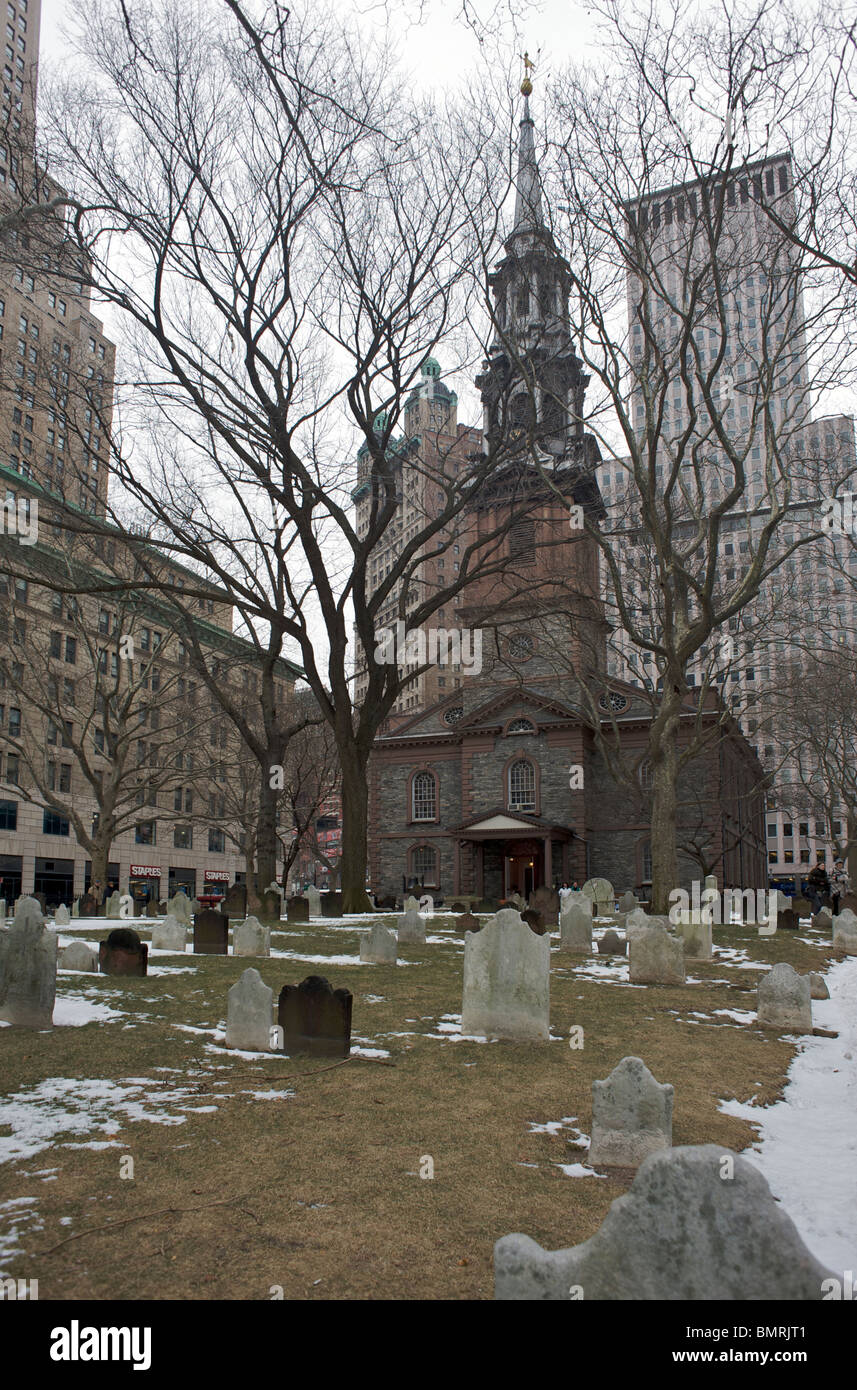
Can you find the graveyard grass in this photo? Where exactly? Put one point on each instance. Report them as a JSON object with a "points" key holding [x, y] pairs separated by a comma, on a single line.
{"points": [[320, 1193]]}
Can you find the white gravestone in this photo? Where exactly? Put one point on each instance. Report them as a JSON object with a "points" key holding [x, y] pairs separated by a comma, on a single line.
{"points": [[62, 917], [179, 907], [845, 933], [412, 927], [249, 1013], [506, 981], [169, 935], [79, 955], [785, 1000], [251, 938], [632, 1116], [575, 929], [28, 968], [655, 958], [696, 934], [378, 946], [313, 897]]}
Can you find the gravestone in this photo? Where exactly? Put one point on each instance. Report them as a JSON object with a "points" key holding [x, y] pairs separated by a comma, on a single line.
{"points": [[848, 903], [411, 904], [680, 1232], [655, 958], [249, 1013], [79, 955], [788, 919], [251, 938], [313, 898], [823, 920], [845, 932], [378, 946], [297, 910], [315, 1018], [534, 920], [600, 890], [628, 902], [784, 1000], [632, 1116], [42, 900], [210, 933], [62, 916], [331, 905], [234, 903], [139, 907], [75, 908], [169, 935], [162, 908], [546, 901], [467, 922], [515, 900], [2, 910], [696, 935], [88, 906], [388, 904], [152, 910], [179, 907], [271, 907], [612, 944], [506, 981], [412, 927], [575, 929], [123, 953], [802, 906], [195, 906], [28, 968], [817, 986], [113, 905]]}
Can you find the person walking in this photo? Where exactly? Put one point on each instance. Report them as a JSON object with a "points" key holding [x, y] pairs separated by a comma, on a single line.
{"points": [[817, 884], [839, 884]]}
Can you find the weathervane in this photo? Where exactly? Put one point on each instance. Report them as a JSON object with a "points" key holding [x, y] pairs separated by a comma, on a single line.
{"points": [[529, 66]]}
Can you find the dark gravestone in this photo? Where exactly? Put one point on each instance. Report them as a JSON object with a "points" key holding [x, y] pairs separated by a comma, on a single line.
{"points": [[297, 910], [467, 922], [487, 905], [387, 904], [788, 919], [41, 899], [162, 909], [88, 906], [848, 900], [152, 910], [123, 953], [545, 901], [315, 1018], [210, 933], [458, 907], [534, 920], [612, 944], [802, 906], [270, 907], [331, 904], [235, 902]]}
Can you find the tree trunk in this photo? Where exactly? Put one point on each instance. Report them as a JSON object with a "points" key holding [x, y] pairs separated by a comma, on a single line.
{"points": [[664, 804], [100, 857], [253, 900], [355, 813], [266, 834]]}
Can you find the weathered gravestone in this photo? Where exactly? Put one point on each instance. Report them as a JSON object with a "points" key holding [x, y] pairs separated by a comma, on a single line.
{"points": [[515, 900], [378, 946], [784, 1000], [271, 907], [79, 955], [195, 906], [612, 944], [845, 933], [331, 905], [313, 898], [211, 933], [123, 953], [823, 920], [315, 1018], [817, 986], [179, 907], [42, 900], [88, 906], [575, 927], [655, 958], [467, 922], [506, 981], [788, 919], [628, 902], [113, 905], [696, 935], [632, 1116], [456, 906], [75, 908], [62, 916], [546, 901], [534, 920], [28, 968], [249, 1006], [486, 905], [802, 906], [848, 903], [412, 927], [2, 910], [152, 910], [234, 903], [680, 1232], [297, 910], [600, 890], [251, 938], [162, 908], [169, 935]]}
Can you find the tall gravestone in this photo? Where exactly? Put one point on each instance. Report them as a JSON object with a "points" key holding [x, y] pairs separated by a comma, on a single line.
{"points": [[249, 1006], [61, 916], [251, 938], [113, 905], [412, 927], [270, 907], [506, 990], [378, 946], [632, 1116], [313, 898], [784, 1000], [546, 901], [88, 906], [681, 1232], [655, 958], [234, 903], [179, 907], [575, 927], [331, 904], [845, 933], [315, 1018], [210, 933], [123, 953], [297, 911], [696, 935], [28, 968]]}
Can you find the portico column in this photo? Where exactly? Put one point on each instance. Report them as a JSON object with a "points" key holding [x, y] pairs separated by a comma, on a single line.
{"points": [[548, 876]]}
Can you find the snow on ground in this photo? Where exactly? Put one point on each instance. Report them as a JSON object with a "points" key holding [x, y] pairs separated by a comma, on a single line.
{"points": [[75, 1010], [807, 1146], [19, 1214]]}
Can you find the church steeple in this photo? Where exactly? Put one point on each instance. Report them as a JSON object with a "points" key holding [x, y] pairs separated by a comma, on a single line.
{"points": [[528, 197]]}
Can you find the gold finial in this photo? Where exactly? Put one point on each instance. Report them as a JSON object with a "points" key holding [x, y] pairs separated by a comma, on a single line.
{"points": [[529, 66]]}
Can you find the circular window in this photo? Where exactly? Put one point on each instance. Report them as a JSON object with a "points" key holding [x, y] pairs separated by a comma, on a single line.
{"points": [[520, 646], [613, 702], [453, 715]]}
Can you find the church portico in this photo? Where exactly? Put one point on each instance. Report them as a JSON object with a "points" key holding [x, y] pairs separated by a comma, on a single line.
{"points": [[511, 854]]}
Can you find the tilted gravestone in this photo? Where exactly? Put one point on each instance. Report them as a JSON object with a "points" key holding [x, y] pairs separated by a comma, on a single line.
{"points": [[169, 935], [632, 1116], [467, 922], [680, 1232], [113, 905], [331, 905], [575, 928], [784, 1000], [506, 990], [62, 916], [313, 898], [123, 953], [534, 920], [315, 1018], [210, 933], [28, 968], [297, 910], [412, 927], [655, 958], [817, 986], [612, 944], [249, 1013], [251, 938], [234, 904], [179, 907], [845, 933], [823, 920], [696, 935], [79, 955], [378, 946]]}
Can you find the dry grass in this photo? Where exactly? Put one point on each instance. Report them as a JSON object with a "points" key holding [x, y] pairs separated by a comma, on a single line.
{"points": [[322, 1190]]}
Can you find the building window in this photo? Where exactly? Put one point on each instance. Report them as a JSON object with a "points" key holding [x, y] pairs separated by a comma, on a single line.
{"points": [[521, 726], [54, 824], [216, 841], [646, 860], [8, 815], [424, 796], [183, 837], [424, 865], [647, 775], [522, 786], [144, 832]]}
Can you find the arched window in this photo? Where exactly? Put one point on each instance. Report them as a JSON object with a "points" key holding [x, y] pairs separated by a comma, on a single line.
{"points": [[424, 865], [522, 786], [521, 726], [424, 796], [647, 775], [646, 861], [521, 413]]}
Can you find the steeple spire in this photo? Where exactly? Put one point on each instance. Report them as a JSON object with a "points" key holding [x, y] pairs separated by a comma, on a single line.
{"points": [[528, 200]]}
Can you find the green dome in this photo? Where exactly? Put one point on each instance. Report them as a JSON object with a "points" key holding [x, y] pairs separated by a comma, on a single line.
{"points": [[431, 367]]}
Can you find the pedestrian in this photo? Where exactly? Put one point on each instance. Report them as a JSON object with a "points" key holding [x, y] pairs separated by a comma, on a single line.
{"points": [[840, 883], [564, 895], [818, 884]]}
